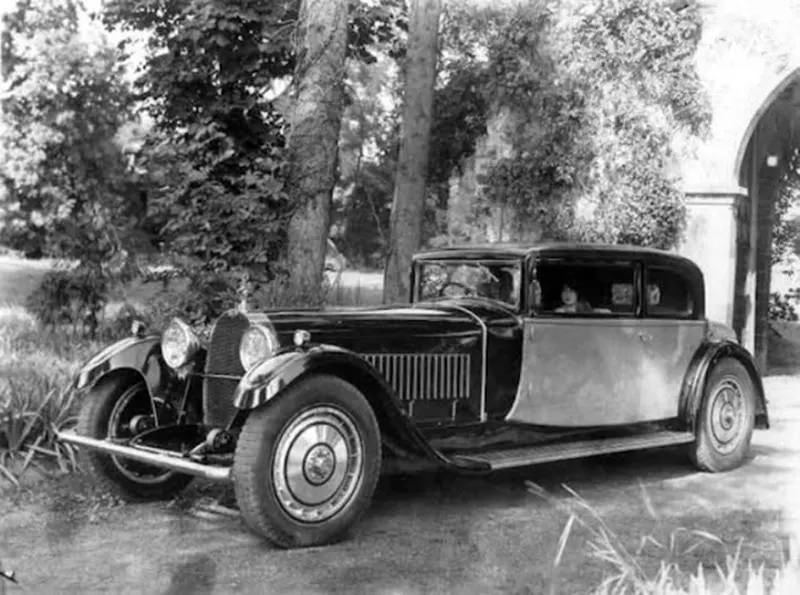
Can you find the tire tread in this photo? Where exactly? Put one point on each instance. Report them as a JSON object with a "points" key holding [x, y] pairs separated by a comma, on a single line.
{"points": [[248, 460], [702, 453], [99, 465]]}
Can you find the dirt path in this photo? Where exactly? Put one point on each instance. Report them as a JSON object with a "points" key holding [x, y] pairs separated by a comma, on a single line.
{"points": [[435, 534]]}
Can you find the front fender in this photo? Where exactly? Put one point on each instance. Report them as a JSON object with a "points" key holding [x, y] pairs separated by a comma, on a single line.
{"points": [[269, 379], [273, 375], [703, 362], [142, 355]]}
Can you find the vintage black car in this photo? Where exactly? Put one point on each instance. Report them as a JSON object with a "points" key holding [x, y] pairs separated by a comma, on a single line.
{"points": [[506, 356]]}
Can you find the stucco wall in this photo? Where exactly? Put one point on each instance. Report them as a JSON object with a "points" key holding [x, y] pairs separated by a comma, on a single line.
{"points": [[747, 51]]}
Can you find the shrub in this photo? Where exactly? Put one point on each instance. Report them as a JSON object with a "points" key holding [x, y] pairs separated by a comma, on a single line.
{"points": [[783, 306], [118, 325], [205, 297], [74, 297]]}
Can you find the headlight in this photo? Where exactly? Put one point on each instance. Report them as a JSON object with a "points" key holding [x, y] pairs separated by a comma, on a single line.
{"points": [[258, 343], [179, 344]]}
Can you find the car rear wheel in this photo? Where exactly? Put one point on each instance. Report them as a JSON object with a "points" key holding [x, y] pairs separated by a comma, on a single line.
{"points": [[306, 465], [111, 411], [726, 419]]}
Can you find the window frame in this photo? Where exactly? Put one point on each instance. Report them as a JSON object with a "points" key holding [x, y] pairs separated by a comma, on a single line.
{"points": [[634, 264], [509, 261], [691, 288]]}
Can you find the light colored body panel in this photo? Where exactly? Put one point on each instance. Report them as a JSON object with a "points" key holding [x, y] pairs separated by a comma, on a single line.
{"points": [[580, 372]]}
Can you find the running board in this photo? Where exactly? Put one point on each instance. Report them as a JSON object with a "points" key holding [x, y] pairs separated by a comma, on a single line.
{"points": [[533, 455]]}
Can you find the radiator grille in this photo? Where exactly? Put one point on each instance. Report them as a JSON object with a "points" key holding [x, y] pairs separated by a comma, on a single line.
{"points": [[439, 376], [223, 360]]}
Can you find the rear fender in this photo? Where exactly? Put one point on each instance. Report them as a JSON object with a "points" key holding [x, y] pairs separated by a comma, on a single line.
{"points": [[270, 379], [694, 385]]}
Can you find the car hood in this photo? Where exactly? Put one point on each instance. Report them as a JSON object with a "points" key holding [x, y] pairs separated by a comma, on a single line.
{"points": [[360, 328]]}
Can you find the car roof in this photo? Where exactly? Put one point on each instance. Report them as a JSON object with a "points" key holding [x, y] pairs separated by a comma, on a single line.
{"points": [[510, 251]]}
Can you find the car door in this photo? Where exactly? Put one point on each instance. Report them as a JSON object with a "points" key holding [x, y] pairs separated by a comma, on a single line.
{"points": [[672, 329], [582, 365]]}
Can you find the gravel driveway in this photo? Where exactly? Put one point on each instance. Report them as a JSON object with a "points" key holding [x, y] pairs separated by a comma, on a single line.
{"points": [[430, 534]]}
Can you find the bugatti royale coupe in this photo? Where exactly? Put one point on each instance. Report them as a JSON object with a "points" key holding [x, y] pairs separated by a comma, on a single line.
{"points": [[506, 356]]}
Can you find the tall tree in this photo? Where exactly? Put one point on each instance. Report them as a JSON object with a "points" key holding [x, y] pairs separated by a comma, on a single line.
{"points": [[412, 164], [315, 119]]}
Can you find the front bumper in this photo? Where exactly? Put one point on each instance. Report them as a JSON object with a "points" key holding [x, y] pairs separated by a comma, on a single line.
{"points": [[158, 458]]}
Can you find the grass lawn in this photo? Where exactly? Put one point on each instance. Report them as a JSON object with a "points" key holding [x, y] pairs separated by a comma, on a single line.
{"points": [[19, 277]]}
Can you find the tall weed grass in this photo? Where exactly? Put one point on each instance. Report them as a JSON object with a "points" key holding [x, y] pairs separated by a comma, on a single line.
{"points": [[663, 566], [37, 366]]}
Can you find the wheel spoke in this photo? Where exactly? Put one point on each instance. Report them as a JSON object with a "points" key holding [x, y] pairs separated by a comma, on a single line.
{"points": [[134, 401]]}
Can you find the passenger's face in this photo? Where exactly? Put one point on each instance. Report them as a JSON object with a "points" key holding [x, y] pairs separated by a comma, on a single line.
{"points": [[653, 295], [569, 296]]}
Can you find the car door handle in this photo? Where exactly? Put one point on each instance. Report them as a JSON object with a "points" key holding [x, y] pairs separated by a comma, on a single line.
{"points": [[646, 338]]}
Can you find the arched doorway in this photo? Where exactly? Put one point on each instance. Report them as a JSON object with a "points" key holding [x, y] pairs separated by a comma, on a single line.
{"points": [[767, 144], [730, 194]]}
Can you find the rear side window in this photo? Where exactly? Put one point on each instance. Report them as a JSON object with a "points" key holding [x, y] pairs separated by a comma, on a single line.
{"points": [[668, 294], [585, 289]]}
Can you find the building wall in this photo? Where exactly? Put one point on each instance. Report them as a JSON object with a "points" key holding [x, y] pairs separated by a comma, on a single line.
{"points": [[747, 59]]}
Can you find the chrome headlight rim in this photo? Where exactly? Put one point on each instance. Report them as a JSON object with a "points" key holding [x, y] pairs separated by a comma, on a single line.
{"points": [[178, 356], [249, 358]]}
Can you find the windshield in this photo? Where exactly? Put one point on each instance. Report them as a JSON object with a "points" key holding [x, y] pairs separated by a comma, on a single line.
{"points": [[493, 280]]}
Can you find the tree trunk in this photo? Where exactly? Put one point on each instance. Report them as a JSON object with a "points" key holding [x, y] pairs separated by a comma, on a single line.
{"points": [[412, 163], [315, 120]]}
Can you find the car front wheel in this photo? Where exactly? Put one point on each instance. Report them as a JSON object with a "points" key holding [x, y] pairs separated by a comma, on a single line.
{"points": [[306, 465], [110, 412], [726, 419]]}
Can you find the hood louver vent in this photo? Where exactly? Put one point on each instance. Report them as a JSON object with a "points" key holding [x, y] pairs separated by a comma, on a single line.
{"points": [[437, 376]]}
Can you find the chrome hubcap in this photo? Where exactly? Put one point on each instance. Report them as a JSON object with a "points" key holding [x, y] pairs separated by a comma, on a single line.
{"points": [[727, 415], [318, 464]]}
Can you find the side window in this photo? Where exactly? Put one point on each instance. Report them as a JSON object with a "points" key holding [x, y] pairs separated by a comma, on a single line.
{"points": [[668, 294], [585, 289]]}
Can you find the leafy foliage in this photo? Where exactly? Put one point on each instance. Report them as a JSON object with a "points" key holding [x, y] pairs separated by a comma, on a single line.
{"points": [[460, 104], [589, 99], [367, 161], [784, 306], [205, 297], [786, 230], [215, 195], [214, 80], [63, 102], [74, 297]]}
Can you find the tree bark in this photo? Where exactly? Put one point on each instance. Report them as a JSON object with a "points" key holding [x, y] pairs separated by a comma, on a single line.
{"points": [[315, 120], [412, 163]]}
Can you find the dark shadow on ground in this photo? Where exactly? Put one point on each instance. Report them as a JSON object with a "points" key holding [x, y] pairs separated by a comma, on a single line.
{"points": [[194, 576]]}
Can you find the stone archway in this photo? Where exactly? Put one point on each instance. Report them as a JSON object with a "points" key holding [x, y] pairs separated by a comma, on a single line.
{"points": [[731, 210], [763, 157]]}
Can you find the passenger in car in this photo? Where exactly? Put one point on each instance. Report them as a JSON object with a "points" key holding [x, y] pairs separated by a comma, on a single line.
{"points": [[498, 286], [653, 294], [505, 287], [570, 302]]}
